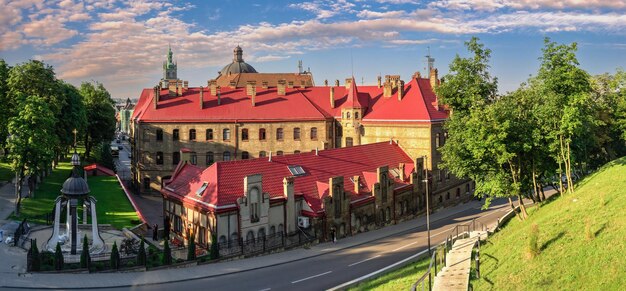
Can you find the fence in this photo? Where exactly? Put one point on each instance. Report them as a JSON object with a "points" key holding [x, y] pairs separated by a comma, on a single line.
{"points": [[251, 247]]}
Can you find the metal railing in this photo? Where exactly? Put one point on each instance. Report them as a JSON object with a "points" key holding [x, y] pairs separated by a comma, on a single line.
{"points": [[438, 261]]}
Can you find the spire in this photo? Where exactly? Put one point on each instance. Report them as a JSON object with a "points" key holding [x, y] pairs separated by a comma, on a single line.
{"points": [[169, 54], [238, 54], [353, 96]]}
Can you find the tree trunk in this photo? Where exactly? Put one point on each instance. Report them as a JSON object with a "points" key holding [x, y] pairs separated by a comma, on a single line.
{"points": [[522, 207], [87, 146], [535, 183], [513, 208], [570, 182], [560, 180], [18, 189], [543, 195]]}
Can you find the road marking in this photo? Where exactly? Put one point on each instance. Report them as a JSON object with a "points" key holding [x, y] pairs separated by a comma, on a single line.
{"points": [[314, 276], [363, 261], [266, 289], [404, 246]]}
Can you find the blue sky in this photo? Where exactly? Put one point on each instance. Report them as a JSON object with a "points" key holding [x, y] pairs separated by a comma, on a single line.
{"points": [[122, 44]]}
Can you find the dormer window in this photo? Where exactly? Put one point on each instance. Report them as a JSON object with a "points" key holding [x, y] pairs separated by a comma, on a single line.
{"points": [[200, 190], [296, 170]]}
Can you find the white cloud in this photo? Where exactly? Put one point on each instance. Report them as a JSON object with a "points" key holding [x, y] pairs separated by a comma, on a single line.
{"points": [[270, 58], [47, 31], [374, 14], [491, 5]]}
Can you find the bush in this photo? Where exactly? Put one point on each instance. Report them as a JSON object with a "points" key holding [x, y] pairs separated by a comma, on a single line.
{"points": [[533, 242], [58, 258], [215, 250], [167, 254], [191, 249], [115, 257], [35, 258], [141, 254], [85, 258]]}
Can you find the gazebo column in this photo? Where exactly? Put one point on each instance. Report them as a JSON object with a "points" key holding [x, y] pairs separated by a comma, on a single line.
{"points": [[73, 204], [68, 220], [97, 242], [85, 205], [54, 239]]}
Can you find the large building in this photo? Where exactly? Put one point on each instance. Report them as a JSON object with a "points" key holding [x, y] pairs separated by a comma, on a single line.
{"points": [[242, 121], [342, 191]]}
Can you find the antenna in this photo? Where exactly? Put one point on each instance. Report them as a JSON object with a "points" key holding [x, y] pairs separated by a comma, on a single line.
{"points": [[430, 61], [300, 67]]}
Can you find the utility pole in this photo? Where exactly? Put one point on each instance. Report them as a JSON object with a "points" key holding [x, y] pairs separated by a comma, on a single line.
{"points": [[427, 202]]}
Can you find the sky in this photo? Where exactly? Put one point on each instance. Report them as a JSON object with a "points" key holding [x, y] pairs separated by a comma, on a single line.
{"points": [[123, 44]]}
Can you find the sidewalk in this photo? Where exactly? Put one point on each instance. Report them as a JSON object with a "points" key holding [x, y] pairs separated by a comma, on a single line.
{"points": [[44, 281]]}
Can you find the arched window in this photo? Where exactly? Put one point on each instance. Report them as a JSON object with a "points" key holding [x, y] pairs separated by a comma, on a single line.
{"points": [[262, 134], [175, 158], [347, 115], [313, 133], [281, 228], [356, 115], [234, 236], [279, 134], [296, 133], [272, 230], [222, 239], [209, 134], [159, 135], [254, 197], [210, 158], [159, 158], [279, 153], [244, 134], [175, 135], [349, 142], [194, 158], [458, 192], [226, 134], [261, 234], [437, 140], [192, 134], [250, 236], [226, 156], [245, 155], [262, 154]]}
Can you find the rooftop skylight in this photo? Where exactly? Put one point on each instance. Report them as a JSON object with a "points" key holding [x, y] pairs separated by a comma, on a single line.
{"points": [[202, 188], [296, 170]]}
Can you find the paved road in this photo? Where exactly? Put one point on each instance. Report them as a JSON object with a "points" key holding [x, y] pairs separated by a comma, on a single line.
{"points": [[332, 269]]}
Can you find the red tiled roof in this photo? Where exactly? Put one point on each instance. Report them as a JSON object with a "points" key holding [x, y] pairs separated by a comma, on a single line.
{"points": [[419, 104], [225, 179]]}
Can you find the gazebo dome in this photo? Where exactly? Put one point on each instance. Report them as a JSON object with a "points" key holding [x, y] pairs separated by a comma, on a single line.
{"points": [[75, 186], [238, 65]]}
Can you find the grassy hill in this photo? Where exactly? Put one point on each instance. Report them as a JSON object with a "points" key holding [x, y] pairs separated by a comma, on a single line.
{"points": [[582, 239]]}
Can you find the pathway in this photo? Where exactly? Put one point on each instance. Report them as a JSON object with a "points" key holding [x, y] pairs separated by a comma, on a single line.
{"points": [[455, 275]]}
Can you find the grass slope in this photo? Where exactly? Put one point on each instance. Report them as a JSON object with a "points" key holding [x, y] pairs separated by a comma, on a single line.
{"points": [[400, 279], [582, 237]]}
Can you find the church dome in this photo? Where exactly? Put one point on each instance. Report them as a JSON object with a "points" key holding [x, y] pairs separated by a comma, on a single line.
{"points": [[238, 65], [75, 186]]}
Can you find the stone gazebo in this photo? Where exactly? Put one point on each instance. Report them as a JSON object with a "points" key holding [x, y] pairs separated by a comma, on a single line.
{"points": [[75, 190]]}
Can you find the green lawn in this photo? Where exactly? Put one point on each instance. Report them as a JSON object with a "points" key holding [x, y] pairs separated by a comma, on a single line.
{"points": [[400, 279], [113, 207], [6, 174], [581, 238]]}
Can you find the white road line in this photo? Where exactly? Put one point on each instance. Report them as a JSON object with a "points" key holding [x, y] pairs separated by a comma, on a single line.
{"points": [[266, 289], [363, 261], [404, 246], [314, 276]]}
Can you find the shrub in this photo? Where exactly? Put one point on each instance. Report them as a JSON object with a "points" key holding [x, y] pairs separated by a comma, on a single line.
{"points": [[58, 258], [588, 233], [141, 254], [191, 249], [34, 256], [533, 242], [215, 250], [115, 257], [167, 254], [85, 258]]}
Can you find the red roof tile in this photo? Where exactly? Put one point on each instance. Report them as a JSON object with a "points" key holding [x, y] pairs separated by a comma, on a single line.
{"points": [[225, 179]]}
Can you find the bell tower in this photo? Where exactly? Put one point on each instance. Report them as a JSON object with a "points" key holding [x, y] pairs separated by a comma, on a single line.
{"points": [[351, 114], [170, 67]]}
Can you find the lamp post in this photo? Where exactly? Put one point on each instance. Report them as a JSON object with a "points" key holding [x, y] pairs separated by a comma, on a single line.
{"points": [[427, 201]]}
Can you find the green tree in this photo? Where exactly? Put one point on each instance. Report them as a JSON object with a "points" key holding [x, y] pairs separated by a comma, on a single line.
{"points": [[469, 83], [32, 139], [167, 254], [72, 116], [141, 255], [35, 78], [85, 258], [115, 257], [100, 115], [58, 258], [6, 108], [103, 156]]}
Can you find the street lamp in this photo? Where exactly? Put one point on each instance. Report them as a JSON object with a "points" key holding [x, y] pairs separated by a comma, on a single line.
{"points": [[427, 202]]}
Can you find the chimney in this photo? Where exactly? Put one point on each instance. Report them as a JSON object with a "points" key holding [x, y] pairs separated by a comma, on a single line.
{"points": [[326, 83], [253, 96], [186, 85], [249, 86], [417, 75], [280, 87], [400, 90], [336, 83], [290, 84], [171, 89], [379, 80], [348, 82], [357, 183], [219, 95], [433, 77], [332, 97], [177, 89], [290, 206], [213, 86], [302, 85], [156, 97], [387, 89], [264, 84], [401, 169], [232, 84], [270, 157], [201, 98]]}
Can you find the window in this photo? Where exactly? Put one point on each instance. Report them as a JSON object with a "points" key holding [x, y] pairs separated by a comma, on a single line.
{"points": [[458, 192], [447, 175], [262, 154], [261, 233], [279, 134], [194, 158], [175, 135], [440, 175], [250, 236], [356, 115], [226, 134], [279, 153], [349, 142], [296, 170], [245, 155], [192, 134], [337, 201], [200, 190], [159, 158], [437, 141], [313, 133], [467, 188], [209, 134], [296, 152], [226, 156], [383, 187], [448, 196], [210, 159], [296, 133], [159, 135], [146, 183], [347, 115], [175, 158], [244, 134], [254, 204], [201, 236], [178, 224], [272, 230], [262, 134]]}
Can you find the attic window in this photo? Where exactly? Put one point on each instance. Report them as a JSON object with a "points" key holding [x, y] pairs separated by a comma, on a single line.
{"points": [[395, 173], [360, 184], [202, 188], [296, 170]]}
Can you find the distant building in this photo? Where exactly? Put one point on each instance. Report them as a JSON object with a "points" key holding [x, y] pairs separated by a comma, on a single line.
{"points": [[342, 191], [123, 116], [251, 119]]}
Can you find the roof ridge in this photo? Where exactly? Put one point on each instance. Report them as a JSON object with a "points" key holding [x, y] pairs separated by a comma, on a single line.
{"points": [[320, 110], [422, 99]]}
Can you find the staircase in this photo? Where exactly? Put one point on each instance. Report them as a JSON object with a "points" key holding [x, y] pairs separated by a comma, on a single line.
{"points": [[455, 275]]}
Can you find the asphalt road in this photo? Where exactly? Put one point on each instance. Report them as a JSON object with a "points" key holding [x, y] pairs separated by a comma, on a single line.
{"points": [[335, 268]]}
